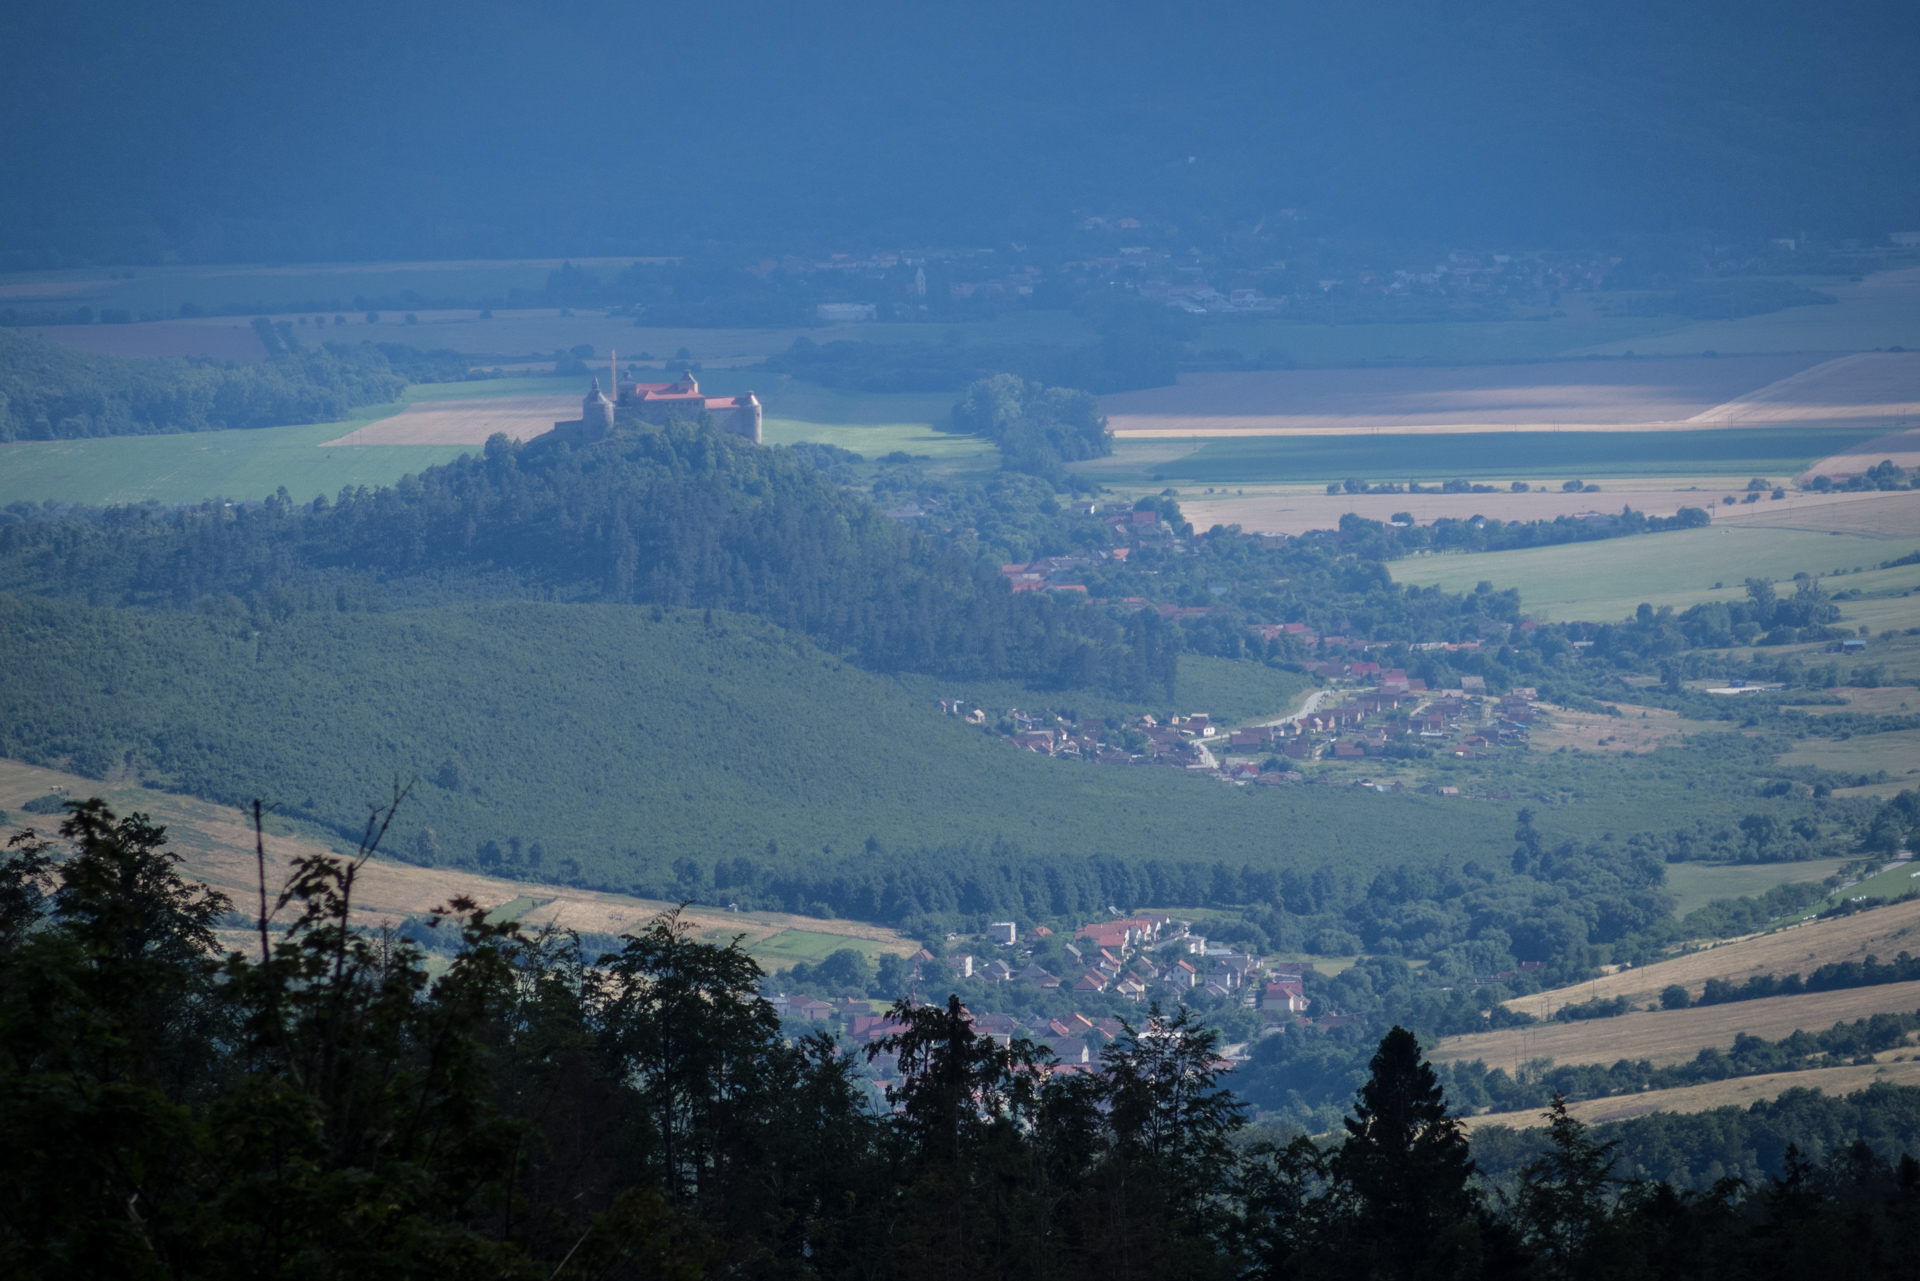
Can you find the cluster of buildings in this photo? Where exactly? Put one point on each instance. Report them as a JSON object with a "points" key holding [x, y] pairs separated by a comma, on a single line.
{"points": [[1396, 712], [1149, 957]]}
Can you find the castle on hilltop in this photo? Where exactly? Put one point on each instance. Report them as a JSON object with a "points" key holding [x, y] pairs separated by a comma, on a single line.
{"points": [[659, 403]]}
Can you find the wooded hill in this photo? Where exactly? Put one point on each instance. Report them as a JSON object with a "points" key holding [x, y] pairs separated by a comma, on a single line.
{"points": [[668, 753]]}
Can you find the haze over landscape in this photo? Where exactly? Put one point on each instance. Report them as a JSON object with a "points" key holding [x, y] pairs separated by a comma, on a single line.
{"points": [[1255, 641]]}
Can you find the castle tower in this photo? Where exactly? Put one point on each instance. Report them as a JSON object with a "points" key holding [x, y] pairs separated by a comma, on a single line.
{"points": [[596, 414]]}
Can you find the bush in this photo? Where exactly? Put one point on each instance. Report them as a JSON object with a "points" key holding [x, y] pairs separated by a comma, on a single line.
{"points": [[1674, 997]]}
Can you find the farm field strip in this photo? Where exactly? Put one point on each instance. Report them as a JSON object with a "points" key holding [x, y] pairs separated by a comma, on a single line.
{"points": [[216, 845], [1739, 1091], [1603, 581], [1570, 396], [1297, 512], [1674, 1036], [1883, 932], [1537, 457], [466, 422]]}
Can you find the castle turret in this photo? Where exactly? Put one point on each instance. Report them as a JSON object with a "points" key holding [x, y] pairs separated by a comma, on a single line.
{"points": [[596, 414]]}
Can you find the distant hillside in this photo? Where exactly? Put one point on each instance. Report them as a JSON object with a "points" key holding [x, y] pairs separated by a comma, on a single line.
{"points": [[602, 746]]}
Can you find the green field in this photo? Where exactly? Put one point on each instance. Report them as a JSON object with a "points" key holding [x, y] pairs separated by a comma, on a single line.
{"points": [[1232, 693], [1740, 452], [1694, 885], [190, 467], [1602, 581]]}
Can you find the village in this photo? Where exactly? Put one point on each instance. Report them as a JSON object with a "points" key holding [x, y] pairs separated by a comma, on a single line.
{"points": [[1145, 958], [1365, 712]]}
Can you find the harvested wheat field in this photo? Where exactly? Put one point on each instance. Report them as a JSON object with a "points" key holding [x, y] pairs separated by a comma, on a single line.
{"points": [[468, 422], [1895, 514], [1861, 386], [1584, 395], [1902, 448], [1799, 949], [216, 845], [1675, 1036], [1739, 1091]]}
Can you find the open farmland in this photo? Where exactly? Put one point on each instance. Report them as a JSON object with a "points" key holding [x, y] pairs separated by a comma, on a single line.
{"points": [[1884, 932], [1583, 395], [1881, 311], [1673, 1036], [188, 467], [467, 422], [1899, 1068], [1902, 448], [1537, 457], [1694, 885], [1603, 581], [216, 844]]}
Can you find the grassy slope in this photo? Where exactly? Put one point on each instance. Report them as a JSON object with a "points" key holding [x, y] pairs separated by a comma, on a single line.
{"points": [[627, 743], [215, 844]]}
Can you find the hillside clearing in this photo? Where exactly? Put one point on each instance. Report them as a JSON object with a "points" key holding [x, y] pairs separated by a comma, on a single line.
{"points": [[1673, 1036], [1801, 949], [1694, 885], [1739, 1091], [216, 845]]}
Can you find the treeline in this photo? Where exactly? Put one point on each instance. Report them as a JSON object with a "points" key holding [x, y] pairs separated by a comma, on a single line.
{"points": [[1833, 977], [53, 392], [1384, 541], [324, 1105], [1473, 1085]]}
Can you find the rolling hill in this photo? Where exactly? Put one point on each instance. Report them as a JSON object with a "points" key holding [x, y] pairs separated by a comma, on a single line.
{"points": [[663, 753]]}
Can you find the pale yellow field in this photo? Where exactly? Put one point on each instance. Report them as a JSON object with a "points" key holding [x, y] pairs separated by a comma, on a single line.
{"points": [[1278, 511], [1675, 1036], [1640, 730], [468, 422], [1865, 385], [1800, 949], [1896, 1068], [1902, 448], [216, 844], [1684, 394]]}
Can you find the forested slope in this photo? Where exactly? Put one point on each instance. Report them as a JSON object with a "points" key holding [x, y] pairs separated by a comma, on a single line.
{"points": [[679, 755]]}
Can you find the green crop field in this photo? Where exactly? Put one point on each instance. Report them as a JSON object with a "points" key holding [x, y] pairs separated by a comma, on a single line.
{"points": [[190, 467], [1740, 452], [1601, 581], [1694, 885]]}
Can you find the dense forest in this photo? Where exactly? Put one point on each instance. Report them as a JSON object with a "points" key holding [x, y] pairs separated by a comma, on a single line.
{"points": [[327, 1105], [53, 392]]}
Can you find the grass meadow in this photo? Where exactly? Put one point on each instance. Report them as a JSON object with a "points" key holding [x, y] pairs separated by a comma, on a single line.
{"points": [[1603, 581], [243, 465]]}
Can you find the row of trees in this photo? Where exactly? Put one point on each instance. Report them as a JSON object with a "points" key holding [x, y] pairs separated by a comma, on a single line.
{"points": [[327, 1107]]}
